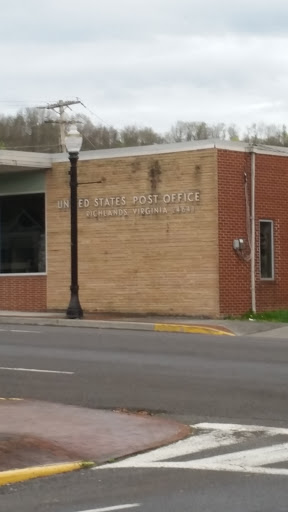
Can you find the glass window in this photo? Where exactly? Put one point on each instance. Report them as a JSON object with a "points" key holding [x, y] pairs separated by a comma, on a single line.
{"points": [[266, 249], [22, 234]]}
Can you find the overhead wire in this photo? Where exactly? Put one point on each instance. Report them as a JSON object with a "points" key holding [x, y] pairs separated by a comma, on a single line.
{"points": [[85, 136], [90, 142], [93, 113]]}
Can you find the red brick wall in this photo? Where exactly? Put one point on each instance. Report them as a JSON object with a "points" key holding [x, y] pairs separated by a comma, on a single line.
{"points": [[271, 192], [234, 274], [23, 293], [271, 204]]}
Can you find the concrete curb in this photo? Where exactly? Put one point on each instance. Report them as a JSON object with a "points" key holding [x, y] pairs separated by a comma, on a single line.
{"points": [[116, 324], [20, 475]]}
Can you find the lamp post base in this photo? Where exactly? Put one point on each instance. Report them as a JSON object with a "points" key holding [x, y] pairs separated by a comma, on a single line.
{"points": [[74, 309]]}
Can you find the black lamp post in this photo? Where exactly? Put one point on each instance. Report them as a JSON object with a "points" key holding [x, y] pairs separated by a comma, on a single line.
{"points": [[73, 144]]}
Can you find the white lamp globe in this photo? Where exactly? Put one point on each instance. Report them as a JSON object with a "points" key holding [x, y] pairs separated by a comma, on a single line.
{"points": [[73, 140]]}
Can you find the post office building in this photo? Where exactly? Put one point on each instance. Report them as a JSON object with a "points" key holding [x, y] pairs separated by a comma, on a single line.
{"points": [[196, 229]]}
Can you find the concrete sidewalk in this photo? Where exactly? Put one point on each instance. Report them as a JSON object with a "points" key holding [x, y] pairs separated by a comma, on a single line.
{"points": [[40, 433], [148, 323], [280, 332]]}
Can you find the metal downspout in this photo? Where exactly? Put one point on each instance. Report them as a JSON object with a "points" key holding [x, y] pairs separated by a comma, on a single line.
{"points": [[253, 290]]}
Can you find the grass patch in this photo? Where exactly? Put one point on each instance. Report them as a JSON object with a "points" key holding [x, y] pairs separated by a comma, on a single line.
{"points": [[280, 315]]}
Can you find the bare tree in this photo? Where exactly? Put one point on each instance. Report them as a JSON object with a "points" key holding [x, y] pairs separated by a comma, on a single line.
{"points": [[29, 131]]}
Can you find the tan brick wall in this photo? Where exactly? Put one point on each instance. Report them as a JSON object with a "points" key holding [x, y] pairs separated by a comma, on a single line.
{"points": [[162, 264]]}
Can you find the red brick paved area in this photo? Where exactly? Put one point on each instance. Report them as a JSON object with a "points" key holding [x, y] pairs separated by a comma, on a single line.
{"points": [[34, 433]]}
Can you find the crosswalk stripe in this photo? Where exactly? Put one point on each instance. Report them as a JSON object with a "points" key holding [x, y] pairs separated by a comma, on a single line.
{"points": [[189, 446], [213, 437], [234, 427], [201, 466], [257, 457]]}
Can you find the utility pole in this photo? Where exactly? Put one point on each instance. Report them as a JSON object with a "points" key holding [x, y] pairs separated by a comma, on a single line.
{"points": [[59, 108]]}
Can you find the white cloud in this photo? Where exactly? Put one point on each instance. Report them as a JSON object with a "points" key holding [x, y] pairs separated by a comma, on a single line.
{"points": [[149, 63]]}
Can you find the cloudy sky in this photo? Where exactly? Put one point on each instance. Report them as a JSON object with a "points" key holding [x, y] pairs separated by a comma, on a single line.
{"points": [[149, 62]]}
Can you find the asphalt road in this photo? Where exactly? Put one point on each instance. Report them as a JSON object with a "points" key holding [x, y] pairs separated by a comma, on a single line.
{"points": [[153, 490], [189, 377]]}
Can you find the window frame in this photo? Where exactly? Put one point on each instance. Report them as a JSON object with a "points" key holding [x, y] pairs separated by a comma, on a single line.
{"points": [[29, 274], [272, 278]]}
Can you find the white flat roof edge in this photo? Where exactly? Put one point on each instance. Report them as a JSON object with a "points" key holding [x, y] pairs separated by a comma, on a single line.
{"points": [[155, 149], [25, 159], [178, 147], [31, 160]]}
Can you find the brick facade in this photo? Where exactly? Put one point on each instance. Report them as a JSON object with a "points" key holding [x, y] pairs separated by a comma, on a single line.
{"points": [[172, 263], [271, 204], [138, 263], [23, 293], [234, 274], [271, 192]]}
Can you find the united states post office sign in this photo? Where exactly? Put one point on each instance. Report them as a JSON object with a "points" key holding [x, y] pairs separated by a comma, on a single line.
{"points": [[142, 204]]}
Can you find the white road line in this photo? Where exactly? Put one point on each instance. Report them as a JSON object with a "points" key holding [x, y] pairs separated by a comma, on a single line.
{"points": [[211, 437], [189, 446], [233, 427], [28, 332], [117, 507], [35, 370], [201, 466], [257, 457]]}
